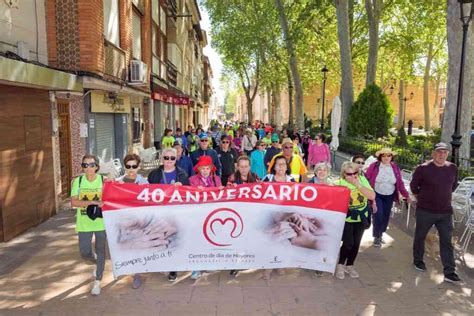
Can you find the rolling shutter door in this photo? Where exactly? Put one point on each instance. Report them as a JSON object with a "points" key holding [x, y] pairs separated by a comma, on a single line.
{"points": [[105, 136]]}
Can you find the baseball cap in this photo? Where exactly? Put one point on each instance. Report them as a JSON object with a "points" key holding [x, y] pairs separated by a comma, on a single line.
{"points": [[203, 135], [440, 146], [275, 138]]}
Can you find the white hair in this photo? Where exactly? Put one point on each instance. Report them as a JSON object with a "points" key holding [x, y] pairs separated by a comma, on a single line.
{"points": [[169, 150]]}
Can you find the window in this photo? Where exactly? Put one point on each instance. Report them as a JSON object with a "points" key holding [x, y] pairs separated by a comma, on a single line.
{"points": [[136, 36], [111, 21], [163, 20]]}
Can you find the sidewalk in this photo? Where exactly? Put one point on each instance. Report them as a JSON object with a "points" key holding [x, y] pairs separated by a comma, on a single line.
{"points": [[41, 273]]}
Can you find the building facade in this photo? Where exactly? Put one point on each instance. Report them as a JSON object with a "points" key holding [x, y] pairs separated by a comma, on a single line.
{"points": [[103, 77]]}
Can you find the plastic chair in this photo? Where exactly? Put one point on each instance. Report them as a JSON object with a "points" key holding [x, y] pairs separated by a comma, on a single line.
{"points": [[467, 234], [118, 167], [461, 206], [407, 175]]}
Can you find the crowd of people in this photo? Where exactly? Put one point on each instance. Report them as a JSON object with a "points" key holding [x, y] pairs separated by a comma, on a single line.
{"points": [[233, 154]]}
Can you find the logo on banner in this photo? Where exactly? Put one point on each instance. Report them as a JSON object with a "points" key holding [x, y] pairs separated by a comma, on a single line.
{"points": [[222, 226]]}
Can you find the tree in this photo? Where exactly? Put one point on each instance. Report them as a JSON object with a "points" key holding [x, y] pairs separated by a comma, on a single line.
{"points": [[371, 113], [373, 10], [454, 31], [293, 64], [347, 88]]}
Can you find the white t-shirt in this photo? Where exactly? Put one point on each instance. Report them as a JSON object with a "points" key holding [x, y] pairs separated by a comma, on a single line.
{"points": [[385, 181]]}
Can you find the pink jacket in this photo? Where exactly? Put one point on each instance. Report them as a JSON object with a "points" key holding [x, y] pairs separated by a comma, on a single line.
{"points": [[198, 180], [318, 153], [373, 171]]}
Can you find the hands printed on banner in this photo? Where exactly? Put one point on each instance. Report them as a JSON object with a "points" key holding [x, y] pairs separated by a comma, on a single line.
{"points": [[144, 233], [298, 229]]}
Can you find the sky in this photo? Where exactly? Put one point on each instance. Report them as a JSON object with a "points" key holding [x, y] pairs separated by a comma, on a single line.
{"points": [[214, 57]]}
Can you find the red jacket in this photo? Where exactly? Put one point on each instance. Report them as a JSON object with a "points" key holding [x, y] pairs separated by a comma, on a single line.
{"points": [[197, 180], [373, 171]]}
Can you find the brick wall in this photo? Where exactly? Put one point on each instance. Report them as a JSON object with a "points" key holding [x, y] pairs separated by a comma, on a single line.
{"points": [[91, 38]]}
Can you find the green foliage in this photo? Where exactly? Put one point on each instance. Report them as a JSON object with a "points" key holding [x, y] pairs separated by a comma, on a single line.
{"points": [[371, 114], [401, 139]]}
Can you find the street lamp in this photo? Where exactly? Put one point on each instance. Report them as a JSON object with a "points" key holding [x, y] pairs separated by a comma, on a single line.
{"points": [[324, 71], [405, 99], [467, 10]]}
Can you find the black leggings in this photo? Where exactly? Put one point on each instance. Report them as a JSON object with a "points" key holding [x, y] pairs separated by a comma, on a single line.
{"points": [[351, 238]]}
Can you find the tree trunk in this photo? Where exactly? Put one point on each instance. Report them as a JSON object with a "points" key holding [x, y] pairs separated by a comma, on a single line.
{"points": [[290, 101], [401, 108], [426, 88], [269, 106], [373, 9], [454, 31], [276, 100], [347, 87], [436, 99], [293, 65]]}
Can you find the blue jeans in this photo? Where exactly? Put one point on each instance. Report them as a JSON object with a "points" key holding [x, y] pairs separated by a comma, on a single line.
{"points": [[382, 217]]}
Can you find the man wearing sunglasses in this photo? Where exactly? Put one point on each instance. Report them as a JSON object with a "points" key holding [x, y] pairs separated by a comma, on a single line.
{"points": [[297, 166], [204, 150], [227, 157]]}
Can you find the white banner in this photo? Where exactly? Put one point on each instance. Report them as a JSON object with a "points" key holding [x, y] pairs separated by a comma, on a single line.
{"points": [[154, 228]]}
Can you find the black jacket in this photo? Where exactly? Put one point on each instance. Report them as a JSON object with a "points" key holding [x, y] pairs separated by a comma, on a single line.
{"points": [[228, 159], [156, 175]]}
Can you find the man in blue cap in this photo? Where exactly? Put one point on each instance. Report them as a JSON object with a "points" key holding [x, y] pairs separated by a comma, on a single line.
{"points": [[204, 150]]}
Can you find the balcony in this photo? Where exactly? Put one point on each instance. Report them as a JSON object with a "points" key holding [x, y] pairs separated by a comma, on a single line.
{"points": [[114, 61], [172, 74], [172, 8]]}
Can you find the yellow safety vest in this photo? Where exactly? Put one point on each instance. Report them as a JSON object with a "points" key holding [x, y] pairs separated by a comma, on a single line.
{"points": [[295, 166]]}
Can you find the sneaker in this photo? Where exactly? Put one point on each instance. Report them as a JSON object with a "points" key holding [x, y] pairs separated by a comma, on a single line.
{"points": [[233, 273], [96, 288], [377, 242], [352, 272], [137, 281], [195, 275], [420, 266], [453, 278], [172, 276], [318, 273], [339, 271]]}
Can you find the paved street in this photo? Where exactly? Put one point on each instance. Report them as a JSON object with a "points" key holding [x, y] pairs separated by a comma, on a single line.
{"points": [[41, 273]]}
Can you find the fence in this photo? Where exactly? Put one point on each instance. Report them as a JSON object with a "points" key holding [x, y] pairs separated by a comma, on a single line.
{"points": [[408, 158]]}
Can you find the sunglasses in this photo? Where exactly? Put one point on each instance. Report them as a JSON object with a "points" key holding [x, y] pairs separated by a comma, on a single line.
{"points": [[359, 162], [288, 147], [351, 173], [172, 158], [131, 166], [88, 165], [203, 140], [225, 142]]}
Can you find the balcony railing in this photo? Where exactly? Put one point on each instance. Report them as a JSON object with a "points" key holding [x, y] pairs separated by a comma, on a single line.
{"points": [[114, 61], [172, 8], [172, 75]]}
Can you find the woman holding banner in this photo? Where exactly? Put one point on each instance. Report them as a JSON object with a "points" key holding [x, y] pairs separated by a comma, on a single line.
{"points": [[357, 220], [132, 163], [86, 192], [242, 176], [280, 172], [205, 177], [169, 173]]}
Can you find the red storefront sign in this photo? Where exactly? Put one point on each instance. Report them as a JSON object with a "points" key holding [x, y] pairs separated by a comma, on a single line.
{"points": [[168, 97]]}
